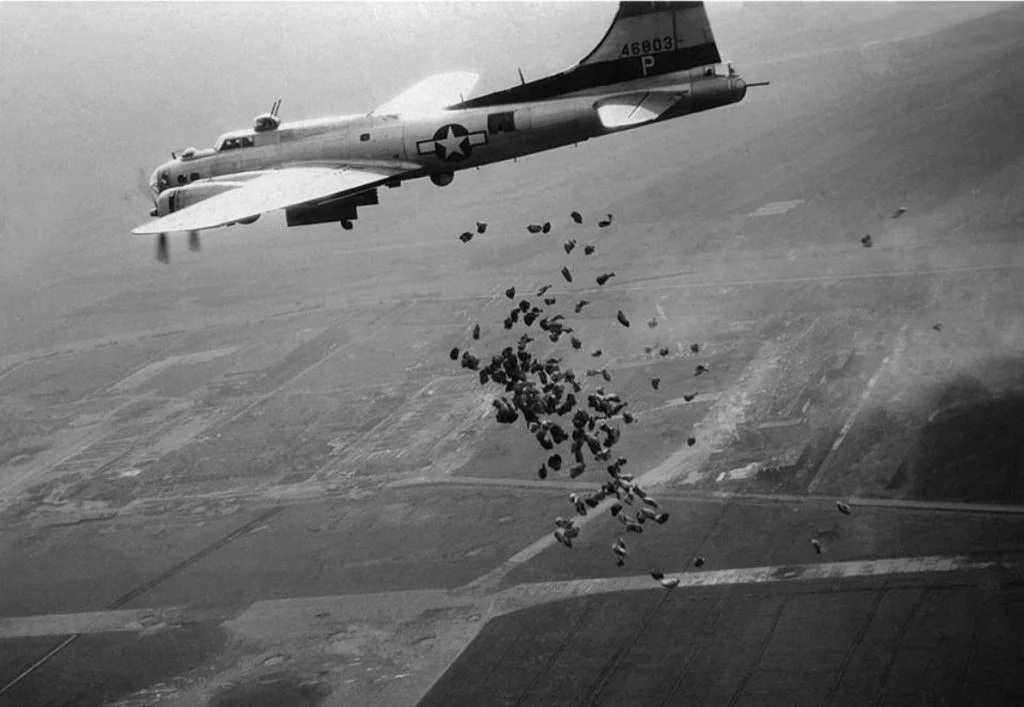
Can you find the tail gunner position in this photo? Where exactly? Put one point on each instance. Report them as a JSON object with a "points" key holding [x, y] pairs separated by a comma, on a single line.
{"points": [[657, 61]]}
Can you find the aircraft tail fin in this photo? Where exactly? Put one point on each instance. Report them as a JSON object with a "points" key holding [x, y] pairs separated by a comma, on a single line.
{"points": [[650, 38], [644, 39]]}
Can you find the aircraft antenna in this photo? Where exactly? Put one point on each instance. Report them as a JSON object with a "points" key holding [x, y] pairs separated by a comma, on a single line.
{"points": [[521, 79]]}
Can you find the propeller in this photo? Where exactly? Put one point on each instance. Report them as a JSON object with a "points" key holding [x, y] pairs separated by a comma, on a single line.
{"points": [[142, 184], [163, 253]]}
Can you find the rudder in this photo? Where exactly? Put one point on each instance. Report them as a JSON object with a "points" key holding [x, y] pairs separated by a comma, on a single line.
{"points": [[658, 37], [644, 39]]}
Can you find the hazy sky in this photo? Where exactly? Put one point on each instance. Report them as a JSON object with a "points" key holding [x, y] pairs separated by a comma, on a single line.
{"points": [[93, 94]]}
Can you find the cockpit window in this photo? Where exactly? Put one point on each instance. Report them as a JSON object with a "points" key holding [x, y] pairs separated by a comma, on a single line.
{"points": [[234, 143]]}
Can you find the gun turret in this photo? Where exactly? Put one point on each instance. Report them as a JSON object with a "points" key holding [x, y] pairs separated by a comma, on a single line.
{"points": [[268, 121]]}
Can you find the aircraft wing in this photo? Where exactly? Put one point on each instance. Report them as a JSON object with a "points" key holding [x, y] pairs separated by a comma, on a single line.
{"points": [[279, 189], [431, 94]]}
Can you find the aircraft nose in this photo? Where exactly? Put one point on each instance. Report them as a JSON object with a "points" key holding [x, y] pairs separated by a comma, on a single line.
{"points": [[738, 87]]}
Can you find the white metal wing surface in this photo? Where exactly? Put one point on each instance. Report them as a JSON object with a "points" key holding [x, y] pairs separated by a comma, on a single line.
{"points": [[274, 190]]}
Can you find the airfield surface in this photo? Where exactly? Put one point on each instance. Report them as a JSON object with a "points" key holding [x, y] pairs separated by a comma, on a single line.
{"points": [[255, 477]]}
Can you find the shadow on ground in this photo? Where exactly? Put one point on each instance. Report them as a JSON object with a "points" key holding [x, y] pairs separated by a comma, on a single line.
{"points": [[971, 448], [957, 440]]}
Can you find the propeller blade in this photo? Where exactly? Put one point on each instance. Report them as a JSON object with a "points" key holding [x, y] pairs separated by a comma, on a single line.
{"points": [[142, 184], [163, 253]]}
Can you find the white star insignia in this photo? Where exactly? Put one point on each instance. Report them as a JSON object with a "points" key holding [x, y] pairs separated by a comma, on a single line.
{"points": [[452, 144]]}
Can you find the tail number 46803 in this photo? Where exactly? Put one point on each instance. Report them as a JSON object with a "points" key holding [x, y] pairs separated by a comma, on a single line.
{"points": [[647, 46]]}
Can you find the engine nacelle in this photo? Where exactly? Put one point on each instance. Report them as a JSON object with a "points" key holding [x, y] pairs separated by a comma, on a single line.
{"points": [[177, 198], [442, 179]]}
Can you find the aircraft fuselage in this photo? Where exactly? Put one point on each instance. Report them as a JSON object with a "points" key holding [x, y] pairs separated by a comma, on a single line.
{"points": [[440, 143]]}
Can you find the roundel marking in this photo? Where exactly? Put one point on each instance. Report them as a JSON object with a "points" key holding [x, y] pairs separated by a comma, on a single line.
{"points": [[452, 143]]}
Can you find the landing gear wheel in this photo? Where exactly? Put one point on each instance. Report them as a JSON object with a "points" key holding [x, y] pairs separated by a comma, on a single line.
{"points": [[163, 253], [346, 224], [193, 241]]}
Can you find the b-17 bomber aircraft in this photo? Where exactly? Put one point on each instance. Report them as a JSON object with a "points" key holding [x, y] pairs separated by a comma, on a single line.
{"points": [[657, 61]]}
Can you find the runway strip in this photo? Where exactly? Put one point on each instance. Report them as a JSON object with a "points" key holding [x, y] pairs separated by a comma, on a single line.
{"points": [[511, 599], [556, 485], [530, 594]]}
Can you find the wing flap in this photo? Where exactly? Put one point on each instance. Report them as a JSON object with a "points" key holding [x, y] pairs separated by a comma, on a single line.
{"points": [[271, 191], [431, 94]]}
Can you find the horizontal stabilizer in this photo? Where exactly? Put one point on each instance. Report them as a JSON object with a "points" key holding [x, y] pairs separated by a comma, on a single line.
{"points": [[634, 109], [432, 94]]}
